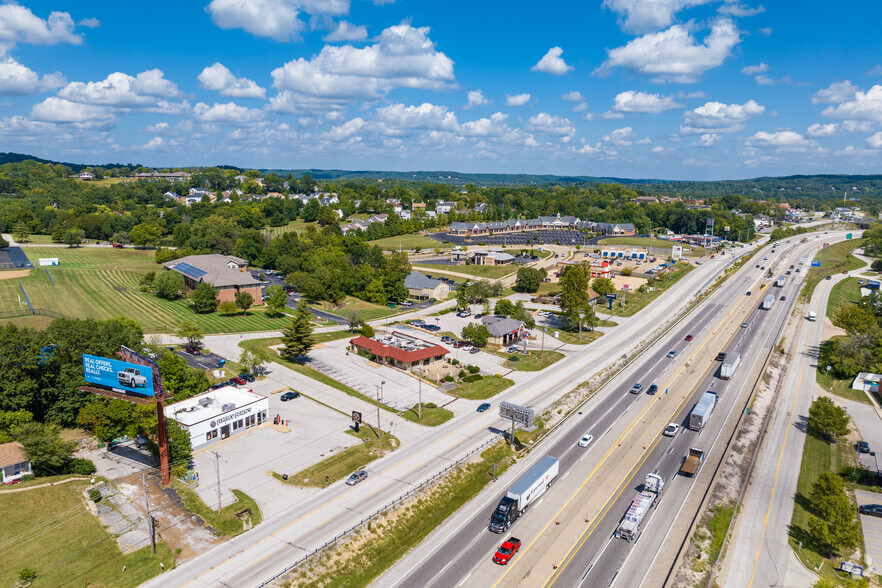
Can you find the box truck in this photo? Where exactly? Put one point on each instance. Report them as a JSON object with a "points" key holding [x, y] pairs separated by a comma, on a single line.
{"points": [[730, 364], [523, 493], [767, 301], [702, 411]]}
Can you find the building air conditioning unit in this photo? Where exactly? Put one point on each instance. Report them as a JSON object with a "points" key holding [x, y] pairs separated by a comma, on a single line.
{"points": [[203, 402], [228, 406]]}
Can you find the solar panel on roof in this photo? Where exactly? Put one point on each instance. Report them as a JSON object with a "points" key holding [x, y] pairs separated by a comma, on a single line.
{"points": [[190, 271]]}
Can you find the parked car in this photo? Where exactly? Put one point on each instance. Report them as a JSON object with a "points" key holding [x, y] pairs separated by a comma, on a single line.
{"points": [[216, 386], [192, 350], [863, 447], [407, 303], [873, 510], [466, 347], [652, 390], [484, 406], [507, 550], [357, 477], [512, 349], [671, 430], [586, 440], [474, 350], [289, 396], [238, 381], [459, 344], [479, 315], [247, 377]]}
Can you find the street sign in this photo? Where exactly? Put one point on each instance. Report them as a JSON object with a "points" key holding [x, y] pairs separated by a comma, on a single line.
{"points": [[816, 264], [848, 235], [356, 416], [612, 296]]}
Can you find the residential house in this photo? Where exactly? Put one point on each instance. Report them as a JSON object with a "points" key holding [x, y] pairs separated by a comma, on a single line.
{"points": [[14, 462], [86, 176], [444, 207], [227, 273], [645, 200], [421, 287]]}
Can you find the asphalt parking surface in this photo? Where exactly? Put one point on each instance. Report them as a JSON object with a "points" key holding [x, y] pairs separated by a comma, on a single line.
{"points": [[205, 361], [17, 257], [872, 528]]}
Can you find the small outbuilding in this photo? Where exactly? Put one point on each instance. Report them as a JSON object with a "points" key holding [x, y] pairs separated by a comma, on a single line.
{"points": [[14, 462]]}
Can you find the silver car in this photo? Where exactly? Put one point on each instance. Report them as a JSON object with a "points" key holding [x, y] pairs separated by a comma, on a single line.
{"points": [[357, 477]]}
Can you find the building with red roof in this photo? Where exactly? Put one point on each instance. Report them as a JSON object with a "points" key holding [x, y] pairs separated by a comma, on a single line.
{"points": [[400, 350]]}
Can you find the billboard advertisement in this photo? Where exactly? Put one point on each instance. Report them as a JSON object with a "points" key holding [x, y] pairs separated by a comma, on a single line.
{"points": [[119, 376]]}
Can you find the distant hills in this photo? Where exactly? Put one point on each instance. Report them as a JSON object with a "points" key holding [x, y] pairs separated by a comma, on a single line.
{"points": [[824, 186]]}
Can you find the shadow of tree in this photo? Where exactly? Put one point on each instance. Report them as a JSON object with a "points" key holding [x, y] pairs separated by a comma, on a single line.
{"points": [[801, 423]]}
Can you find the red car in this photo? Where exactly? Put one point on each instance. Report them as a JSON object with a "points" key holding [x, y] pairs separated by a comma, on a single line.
{"points": [[238, 380], [192, 350], [689, 337], [120, 245], [507, 550]]}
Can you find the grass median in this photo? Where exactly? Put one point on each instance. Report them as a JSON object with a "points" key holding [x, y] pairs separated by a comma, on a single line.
{"points": [[533, 361], [226, 522], [369, 552], [343, 463], [432, 416]]}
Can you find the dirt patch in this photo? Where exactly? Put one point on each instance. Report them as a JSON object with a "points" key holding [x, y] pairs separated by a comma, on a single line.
{"points": [[14, 274], [831, 330], [177, 526]]}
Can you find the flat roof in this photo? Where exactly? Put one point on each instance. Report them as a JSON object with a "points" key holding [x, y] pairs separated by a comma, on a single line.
{"points": [[190, 412]]}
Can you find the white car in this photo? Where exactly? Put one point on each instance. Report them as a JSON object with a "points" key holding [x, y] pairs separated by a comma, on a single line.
{"points": [[671, 430], [586, 440], [466, 348]]}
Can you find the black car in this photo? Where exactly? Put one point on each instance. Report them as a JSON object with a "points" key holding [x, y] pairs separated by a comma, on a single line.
{"points": [[652, 390], [290, 396], [484, 406], [873, 510], [247, 377], [863, 447]]}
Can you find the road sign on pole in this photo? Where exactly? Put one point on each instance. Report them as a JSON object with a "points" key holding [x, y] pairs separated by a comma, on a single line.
{"points": [[816, 264]]}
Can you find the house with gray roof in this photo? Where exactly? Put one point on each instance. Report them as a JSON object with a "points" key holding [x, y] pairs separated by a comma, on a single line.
{"points": [[422, 287], [503, 330], [227, 273]]}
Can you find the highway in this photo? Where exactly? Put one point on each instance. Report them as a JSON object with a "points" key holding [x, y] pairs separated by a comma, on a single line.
{"points": [[465, 543]]}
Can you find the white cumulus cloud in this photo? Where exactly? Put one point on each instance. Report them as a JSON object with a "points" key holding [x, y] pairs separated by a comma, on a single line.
{"points": [[674, 54], [552, 63], [17, 79], [230, 113], [155, 144], [424, 116], [19, 25], [276, 19], [547, 124], [875, 140], [476, 98], [219, 78], [516, 99], [58, 110], [835, 92], [822, 130], [780, 139], [752, 70], [641, 16], [865, 106], [709, 139], [574, 96], [632, 101], [346, 31], [716, 117], [122, 90]]}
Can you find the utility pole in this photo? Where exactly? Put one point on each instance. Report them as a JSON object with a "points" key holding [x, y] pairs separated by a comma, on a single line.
{"points": [[379, 393], [149, 516], [581, 316], [420, 405], [217, 469]]}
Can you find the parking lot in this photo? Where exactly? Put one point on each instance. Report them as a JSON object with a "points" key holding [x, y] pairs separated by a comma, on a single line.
{"points": [[247, 458], [526, 239], [203, 361], [872, 528]]}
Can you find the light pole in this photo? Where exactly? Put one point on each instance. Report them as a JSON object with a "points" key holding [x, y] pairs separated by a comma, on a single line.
{"points": [[420, 405], [379, 394], [581, 316]]}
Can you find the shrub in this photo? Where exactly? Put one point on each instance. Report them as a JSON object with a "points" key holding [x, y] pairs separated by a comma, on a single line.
{"points": [[83, 467], [462, 373], [94, 495], [431, 405], [448, 378], [472, 378], [497, 375], [514, 358], [27, 477], [26, 574], [474, 369]]}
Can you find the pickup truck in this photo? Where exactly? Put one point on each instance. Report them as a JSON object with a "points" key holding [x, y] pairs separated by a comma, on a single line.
{"points": [[692, 462], [131, 378], [507, 550]]}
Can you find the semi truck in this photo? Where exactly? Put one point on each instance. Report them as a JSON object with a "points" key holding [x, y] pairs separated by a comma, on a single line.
{"points": [[693, 462], [779, 283], [630, 524], [730, 364], [523, 493], [767, 301], [702, 411]]}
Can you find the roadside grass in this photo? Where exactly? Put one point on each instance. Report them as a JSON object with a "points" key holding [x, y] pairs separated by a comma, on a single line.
{"points": [[226, 523], [432, 417], [78, 551], [844, 293], [841, 388], [834, 259], [717, 526], [486, 387], [262, 346], [409, 242], [490, 272], [818, 456], [598, 322], [371, 551], [534, 361], [633, 302], [103, 283], [367, 310], [340, 465], [37, 322], [660, 247], [572, 337]]}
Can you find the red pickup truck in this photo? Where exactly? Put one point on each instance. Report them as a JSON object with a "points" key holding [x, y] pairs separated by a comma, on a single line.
{"points": [[507, 550]]}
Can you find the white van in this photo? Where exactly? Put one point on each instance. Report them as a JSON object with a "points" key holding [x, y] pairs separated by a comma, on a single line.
{"points": [[812, 316]]}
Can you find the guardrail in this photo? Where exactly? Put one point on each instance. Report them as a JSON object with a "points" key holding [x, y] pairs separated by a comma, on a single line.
{"points": [[317, 552]]}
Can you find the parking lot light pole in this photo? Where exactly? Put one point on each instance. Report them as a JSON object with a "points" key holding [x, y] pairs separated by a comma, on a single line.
{"points": [[420, 405], [581, 316], [379, 393]]}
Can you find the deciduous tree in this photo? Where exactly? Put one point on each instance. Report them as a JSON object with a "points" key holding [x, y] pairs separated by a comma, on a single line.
{"points": [[476, 334], [244, 300], [168, 284], [276, 299], [827, 420], [204, 298], [191, 331]]}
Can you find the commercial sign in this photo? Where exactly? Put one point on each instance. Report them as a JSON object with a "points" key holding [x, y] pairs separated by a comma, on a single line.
{"points": [[848, 235], [230, 417], [119, 376], [816, 264], [356, 416], [612, 296], [520, 414]]}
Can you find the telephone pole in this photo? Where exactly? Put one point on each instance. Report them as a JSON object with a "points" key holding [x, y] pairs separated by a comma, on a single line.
{"points": [[150, 522], [217, 469]]}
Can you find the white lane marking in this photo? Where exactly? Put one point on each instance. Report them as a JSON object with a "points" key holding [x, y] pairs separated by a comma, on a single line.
{"points": [[464, 580]]}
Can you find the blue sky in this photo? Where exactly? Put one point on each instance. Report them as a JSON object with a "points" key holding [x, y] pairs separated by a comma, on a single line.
{"points": [[673, 89]]}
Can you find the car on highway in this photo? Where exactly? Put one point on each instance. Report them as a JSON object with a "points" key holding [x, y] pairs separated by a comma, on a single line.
{"points": [[586, 440], [757, 266], [635, 389], [745, 325], [863, 447], [484, 406], [671, 430], [672, 353], [689, 337], [357, 477], [720, 356], [291, 395], [873, 510], [747, 293], [507, 550], [652, 389], [829, 278], [783, 298]]}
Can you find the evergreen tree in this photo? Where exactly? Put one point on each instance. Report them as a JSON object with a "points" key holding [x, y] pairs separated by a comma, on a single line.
{"points": [[297, 339]]}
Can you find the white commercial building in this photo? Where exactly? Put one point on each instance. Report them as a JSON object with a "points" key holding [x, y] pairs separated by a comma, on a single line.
{"points": [[219, 413]]}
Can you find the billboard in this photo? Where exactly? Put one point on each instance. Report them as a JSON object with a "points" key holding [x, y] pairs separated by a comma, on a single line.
{"points": [[119, 376]]}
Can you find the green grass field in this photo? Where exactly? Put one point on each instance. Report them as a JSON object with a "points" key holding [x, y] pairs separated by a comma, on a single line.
{"points": [[367, 310], [840, 388], [486, 387], [297, 226], [659, 246], [432, 417], [409, 243], [633, 302], [492, 272], [534, 361], [50, 531], [103, 283], [845, 293], [834, 259], [226, 522]]}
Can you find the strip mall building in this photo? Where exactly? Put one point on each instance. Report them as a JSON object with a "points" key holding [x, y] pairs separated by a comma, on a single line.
{"points": [[219, 414]]}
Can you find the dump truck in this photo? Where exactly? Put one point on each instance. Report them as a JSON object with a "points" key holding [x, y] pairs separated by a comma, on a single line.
{"points": [[693, 462], [767, 301], [702, 411], [630, 524], [730, 364], [779, 283], [523, 493]]}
